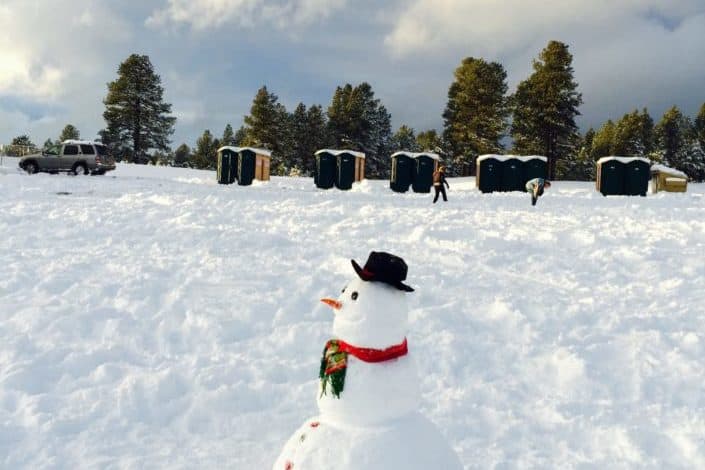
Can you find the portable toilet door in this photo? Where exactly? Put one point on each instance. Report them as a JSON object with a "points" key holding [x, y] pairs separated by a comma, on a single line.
{"points": [[246, 167], [345, 171], [325, 170], [534, 167], [610, 177], [636, 177], [489, 174], [224, 171], [402, 172], [359, 169], [512, 175], [262, 167], [227, 166], [423, 173]]}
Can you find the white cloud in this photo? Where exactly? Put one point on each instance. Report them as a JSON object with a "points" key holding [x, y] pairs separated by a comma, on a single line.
{"points": [[500, 27], [47, 45], [203, 14], [20, 73], [55, 63], [20, 76]]}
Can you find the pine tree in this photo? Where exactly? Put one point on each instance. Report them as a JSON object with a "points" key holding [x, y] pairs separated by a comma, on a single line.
{"points": [[603, 141], [430, 141], [647, 131], [340, 116], [380, 146], [161, 158], [21, 145], [110, 136], [588, 140], [629, 135], [309, 133], [671, 135], [69, 133], [358, 121], [47, 144], [545, 107], [692, 160], [700, 126], [240, 137], [405, 139], [579, 166], [317, 135], [299, 138], [136, 115], [266, 127], [182, 155], [205, 153], [475, 118], [228, 136], [23, 141], [677, 141]]}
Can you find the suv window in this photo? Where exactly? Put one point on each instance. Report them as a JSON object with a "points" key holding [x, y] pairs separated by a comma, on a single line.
{"points": [[87, 149], [53, 150], [70, 149], [101, 149]]}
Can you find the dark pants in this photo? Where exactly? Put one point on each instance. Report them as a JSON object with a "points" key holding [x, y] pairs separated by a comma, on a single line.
{"points": [[534, 196], [440, 190]]}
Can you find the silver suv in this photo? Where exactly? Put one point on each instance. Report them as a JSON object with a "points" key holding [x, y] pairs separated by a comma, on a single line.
{"points": [[76, 156]]}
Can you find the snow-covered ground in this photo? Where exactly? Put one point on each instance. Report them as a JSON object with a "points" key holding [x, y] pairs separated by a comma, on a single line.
{"points": [[150, 318]]}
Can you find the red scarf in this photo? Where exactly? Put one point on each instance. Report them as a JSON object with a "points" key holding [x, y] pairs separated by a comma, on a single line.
{"points": [[335, 360], [374, 355]]}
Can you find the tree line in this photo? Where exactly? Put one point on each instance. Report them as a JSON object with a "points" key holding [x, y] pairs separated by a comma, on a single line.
{"points": [[480, 117]]}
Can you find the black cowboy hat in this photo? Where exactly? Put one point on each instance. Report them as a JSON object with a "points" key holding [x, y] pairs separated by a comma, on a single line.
{"points": [[384, 267]]}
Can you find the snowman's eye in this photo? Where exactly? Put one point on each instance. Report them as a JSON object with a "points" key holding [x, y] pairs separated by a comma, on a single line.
{"points": [[343, 291], [354, 296]]}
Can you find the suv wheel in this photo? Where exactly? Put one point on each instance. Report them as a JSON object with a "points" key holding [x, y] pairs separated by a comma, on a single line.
{"points": [[79, 169], [31, 168]]}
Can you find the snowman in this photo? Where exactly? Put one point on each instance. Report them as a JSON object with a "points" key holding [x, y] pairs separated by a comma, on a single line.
{"points": [[368, 394]]}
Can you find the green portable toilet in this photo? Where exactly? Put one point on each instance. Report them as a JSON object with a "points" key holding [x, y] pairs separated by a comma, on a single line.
{"points": [[345, 170], [637, 172], [513, 175], [227, 165], [324, 176], [426, 165], [489, 173], [534, 167], [340, 168], [402, 171], [246, 166], [610, 176]]}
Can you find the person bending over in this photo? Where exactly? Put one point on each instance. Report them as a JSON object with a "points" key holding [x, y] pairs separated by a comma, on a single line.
{"points": [[536, 188]]}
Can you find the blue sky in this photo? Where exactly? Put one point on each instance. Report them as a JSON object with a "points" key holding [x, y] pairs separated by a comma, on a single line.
{"points": [[213, 55]]}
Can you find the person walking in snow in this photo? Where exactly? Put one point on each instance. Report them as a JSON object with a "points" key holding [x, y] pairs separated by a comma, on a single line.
{"points": [[535, 187], [439, 180]]}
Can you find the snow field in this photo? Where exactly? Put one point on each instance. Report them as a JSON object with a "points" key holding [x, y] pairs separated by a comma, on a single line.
{"points": [[151, 318]]}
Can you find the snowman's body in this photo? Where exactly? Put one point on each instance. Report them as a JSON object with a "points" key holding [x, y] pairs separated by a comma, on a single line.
{"points": [[373, 394], [410, 442], [374, 424]]}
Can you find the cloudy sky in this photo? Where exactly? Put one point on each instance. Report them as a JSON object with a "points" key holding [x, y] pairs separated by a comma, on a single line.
{"points": [[213, 55]]}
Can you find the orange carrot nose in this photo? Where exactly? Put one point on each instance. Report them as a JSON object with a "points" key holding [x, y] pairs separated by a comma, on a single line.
{"points": [[333, 303]]}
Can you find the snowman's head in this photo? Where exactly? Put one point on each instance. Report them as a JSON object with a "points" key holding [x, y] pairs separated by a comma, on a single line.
{"points": [[372, 311], [370, 314]]}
